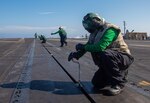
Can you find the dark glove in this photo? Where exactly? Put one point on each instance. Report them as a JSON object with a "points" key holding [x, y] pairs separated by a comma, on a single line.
{"points": [[73, 55], [52, 33], [79, 47]]}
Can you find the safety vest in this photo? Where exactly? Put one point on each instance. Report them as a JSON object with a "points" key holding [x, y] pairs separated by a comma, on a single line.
{"points": [[118, 44]]}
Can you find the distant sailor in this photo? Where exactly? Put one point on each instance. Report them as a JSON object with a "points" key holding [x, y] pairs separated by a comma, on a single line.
{"points": [[43, 38], [35, 35], [63, 36]]}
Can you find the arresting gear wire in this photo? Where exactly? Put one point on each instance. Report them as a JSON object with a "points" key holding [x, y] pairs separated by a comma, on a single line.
{"points": [[76, 82]]}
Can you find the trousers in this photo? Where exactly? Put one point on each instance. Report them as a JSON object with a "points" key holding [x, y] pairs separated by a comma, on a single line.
{"points": [[63, 40], [113, 68]]}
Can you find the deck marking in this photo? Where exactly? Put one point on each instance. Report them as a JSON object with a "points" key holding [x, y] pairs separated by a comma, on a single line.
{"points": [[21, 92], [139, 45], [144, 83]]}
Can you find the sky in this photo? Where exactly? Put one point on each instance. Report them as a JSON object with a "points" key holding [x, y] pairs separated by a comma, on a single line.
{"points": [[22, 18]]}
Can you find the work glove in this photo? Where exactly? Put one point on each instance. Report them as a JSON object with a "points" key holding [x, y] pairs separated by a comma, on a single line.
{"points": [[52, 33], [73, 55], [79, 47]]}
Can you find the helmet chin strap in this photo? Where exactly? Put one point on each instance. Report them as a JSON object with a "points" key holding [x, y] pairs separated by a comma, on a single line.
{"points": [[100, 27], [90, 30]]}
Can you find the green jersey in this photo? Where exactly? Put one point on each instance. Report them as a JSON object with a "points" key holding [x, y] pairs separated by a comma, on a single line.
{"points": [[61, 32]]}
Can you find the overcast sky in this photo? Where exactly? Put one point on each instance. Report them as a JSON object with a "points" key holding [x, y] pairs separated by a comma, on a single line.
{"points": [[22, 18]]}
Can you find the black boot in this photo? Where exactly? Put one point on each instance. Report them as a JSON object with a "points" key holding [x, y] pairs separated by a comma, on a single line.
{"points": [[66, 43], [114, 90]]}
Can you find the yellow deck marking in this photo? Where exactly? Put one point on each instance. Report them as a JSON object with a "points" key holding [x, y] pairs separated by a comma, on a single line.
{"points": [[144, 83]]}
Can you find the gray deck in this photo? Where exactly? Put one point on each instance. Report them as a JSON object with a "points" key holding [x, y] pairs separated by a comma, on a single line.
{"points": [[29, 74]]}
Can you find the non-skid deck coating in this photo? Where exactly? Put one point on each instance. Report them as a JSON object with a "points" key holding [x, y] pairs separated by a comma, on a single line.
{"points": [[29, 74]]}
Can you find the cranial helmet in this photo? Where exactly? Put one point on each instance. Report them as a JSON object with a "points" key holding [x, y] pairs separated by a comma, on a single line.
{"points": [[60, 27], [92, 21]]}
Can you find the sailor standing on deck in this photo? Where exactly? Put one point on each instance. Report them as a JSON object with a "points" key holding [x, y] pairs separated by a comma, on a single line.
{"points": [[109, 52], [63, 36]]}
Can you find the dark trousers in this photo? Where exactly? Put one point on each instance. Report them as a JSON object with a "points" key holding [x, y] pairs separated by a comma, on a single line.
{"points": [[113, 68], [63, 40]]}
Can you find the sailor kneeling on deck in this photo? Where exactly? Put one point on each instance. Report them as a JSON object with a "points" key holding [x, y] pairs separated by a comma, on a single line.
{"points": [[109, 52]]}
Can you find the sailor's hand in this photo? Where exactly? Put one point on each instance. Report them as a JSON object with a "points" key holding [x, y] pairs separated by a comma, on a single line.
{"points": [[79, 47], [73, 55]]}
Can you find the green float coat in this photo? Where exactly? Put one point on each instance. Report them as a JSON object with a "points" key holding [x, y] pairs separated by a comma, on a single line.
{"points": [[109, 36]]}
